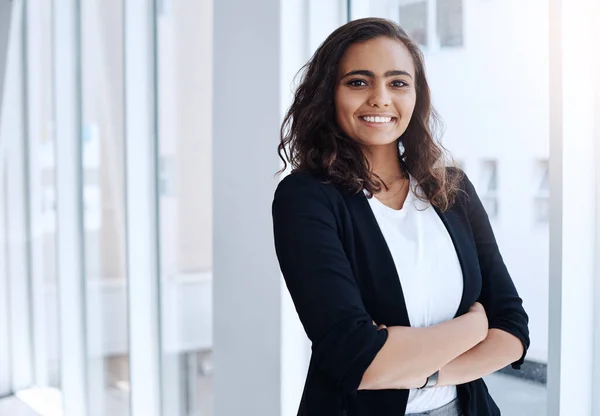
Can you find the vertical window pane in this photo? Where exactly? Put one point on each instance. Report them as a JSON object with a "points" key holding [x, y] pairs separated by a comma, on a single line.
{"points": [[413, 19], [44, 204], [490, 175], [104, 207], [543, 175], [489, 188], [185, 184], [542, 192], [450, 22]]}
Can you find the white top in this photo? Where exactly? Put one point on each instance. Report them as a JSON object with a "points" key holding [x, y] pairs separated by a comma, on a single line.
{"points": [[430, 275]]}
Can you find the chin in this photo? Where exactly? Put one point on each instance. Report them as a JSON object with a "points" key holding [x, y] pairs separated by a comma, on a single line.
{"points": [[380, 142]]}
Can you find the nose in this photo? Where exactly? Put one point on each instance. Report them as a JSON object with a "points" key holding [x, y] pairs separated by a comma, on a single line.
{"points": [[380, 97]]}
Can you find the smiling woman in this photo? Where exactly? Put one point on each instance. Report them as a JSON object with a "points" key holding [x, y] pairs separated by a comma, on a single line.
{"points": [[367, 68], [380, 97], [386, 250]]}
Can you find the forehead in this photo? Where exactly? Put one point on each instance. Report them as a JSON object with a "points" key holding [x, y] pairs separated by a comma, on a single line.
{"points": [[378, 55]]}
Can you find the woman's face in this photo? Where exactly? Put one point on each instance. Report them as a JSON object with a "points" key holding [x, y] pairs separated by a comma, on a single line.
{"points": [[375, 95]]}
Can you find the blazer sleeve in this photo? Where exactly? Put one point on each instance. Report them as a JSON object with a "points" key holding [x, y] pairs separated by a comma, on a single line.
{"points": [[319, 277], [499, 296]]}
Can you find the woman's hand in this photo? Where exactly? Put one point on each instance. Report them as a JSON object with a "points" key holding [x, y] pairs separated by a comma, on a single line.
{"points": [[481, 319]]}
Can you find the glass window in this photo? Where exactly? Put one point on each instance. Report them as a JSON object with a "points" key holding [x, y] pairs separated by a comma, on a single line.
{"points": [[542, 191], [104, 206], [489, 182], [450, 23], [42, 182], [413, 19]]}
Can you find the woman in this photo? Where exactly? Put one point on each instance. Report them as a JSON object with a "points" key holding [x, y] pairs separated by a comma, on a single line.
{"points": [[388, 255]]}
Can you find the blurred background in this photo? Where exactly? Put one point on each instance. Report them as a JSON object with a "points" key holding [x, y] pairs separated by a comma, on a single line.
{"points": [[137, 158]]}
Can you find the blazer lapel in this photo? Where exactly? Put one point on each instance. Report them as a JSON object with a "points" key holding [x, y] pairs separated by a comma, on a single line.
{"points": [[376, 271], [375, 267]]}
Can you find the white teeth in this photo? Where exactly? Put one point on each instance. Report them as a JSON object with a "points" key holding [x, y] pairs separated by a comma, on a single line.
{"points": [[377, 119]]}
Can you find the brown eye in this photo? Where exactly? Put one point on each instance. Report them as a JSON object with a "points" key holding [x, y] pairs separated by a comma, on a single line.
{"points": [[356, 83], [399, 84]]}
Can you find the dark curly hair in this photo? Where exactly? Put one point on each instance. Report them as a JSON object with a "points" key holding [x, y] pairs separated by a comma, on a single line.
{"points": [[312, 141]]}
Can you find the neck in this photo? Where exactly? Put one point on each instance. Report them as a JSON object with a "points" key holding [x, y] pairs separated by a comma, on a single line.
{"points": [[385, 163]]}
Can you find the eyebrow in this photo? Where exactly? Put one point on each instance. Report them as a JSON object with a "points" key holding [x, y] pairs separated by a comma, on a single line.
{"points": [[370, 74]]}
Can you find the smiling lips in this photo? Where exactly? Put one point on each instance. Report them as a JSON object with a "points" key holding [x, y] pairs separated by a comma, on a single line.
{"points": [[381, 120]]}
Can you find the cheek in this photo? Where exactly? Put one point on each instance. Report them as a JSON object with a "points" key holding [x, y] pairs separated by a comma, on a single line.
{"points": [[344, 109], [406, 107], [344, 122]]}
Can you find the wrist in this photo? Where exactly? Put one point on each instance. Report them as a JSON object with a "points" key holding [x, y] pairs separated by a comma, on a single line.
{"points": [[450, 373]]}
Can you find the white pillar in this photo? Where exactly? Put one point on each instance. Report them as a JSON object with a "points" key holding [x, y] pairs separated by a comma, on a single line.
{"points": [[326, 16], [360, 9], [33, 48], [296, 20], [596, 70], [142, 221], [12, 133], [5, 387], [5, 14], [5, 376], [246, 292], [574, 192], [69, 208], [260, 350]]}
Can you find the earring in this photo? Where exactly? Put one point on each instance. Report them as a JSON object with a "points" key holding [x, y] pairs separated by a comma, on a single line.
{"points": [[401, 147]]}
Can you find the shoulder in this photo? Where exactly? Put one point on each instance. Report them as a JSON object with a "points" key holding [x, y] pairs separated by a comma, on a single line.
{"points": [[303, 196], [300, 179], [306, 193], [306, 185], [464, 183], [456, 172], [465, 190]]}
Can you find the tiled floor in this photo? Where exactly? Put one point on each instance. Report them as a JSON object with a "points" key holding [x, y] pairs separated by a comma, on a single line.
{"points": [[514, 396], [11, 406], [517, 397]]}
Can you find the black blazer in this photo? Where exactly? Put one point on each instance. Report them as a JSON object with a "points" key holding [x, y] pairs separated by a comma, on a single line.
{"points": [[341, 276]]}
